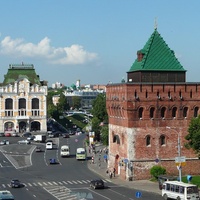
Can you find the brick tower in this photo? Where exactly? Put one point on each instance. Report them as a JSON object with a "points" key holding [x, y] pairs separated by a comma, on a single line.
{"points": [[150, 113]]}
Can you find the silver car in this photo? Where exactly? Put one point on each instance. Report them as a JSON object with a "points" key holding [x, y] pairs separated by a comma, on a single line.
{"points": [[24, 142]]}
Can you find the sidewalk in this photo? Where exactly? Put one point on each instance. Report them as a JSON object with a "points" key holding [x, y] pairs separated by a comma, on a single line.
{"points": [[100, 166]]}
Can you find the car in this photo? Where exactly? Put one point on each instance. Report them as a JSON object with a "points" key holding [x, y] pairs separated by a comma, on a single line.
{"points": [[26, 134], [7, 134], [49, 141], [4, 142], [2, 134], [38, 149], [52, 161], [15, 134], [31, 137], [65, 135], [15, 183], [97, 183], [24, 142]]}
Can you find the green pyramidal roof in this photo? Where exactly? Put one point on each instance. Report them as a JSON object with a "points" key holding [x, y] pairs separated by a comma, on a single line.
{"points": [[16, 72], [156, 56]]}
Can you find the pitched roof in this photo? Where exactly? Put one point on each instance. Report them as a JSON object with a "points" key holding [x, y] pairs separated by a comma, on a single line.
{"points": [[18, 71], [157, 56]]}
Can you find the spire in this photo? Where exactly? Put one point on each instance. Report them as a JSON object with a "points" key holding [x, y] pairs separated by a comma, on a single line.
{"points": [[155, 23]]}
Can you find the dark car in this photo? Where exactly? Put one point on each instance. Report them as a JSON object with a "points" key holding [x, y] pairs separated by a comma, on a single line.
{"points": [[26, 134], [38, 149], [97, 183], [15, 183], [52, 161], [65, 135]]}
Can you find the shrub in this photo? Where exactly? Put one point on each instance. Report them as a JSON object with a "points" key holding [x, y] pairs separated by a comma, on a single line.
{"points": [[157, 170]]}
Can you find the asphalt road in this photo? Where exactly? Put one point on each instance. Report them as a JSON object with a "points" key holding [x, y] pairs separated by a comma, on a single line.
{"points": [[67, 180]]}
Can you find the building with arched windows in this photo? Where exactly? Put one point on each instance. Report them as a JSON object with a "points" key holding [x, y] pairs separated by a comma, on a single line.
{"points": [[22, 100], [150, 113]]}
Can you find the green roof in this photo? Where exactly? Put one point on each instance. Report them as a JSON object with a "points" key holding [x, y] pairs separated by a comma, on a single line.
{"points": [[157, 56], [16, 72]]}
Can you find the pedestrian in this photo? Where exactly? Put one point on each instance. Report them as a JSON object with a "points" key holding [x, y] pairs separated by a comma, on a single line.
{"points": [[110, 175], [114, 170]]}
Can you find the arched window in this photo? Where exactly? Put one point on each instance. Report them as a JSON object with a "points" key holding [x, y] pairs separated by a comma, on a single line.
{"points": [[9, 104], [152, 110], [148, 140], [163, 112], [162, 140], [185, 110], [140, 113], [196, 110], [174, 112]]}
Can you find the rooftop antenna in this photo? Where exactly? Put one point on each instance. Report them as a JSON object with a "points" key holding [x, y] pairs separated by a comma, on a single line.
{"points": [[155, 23]]}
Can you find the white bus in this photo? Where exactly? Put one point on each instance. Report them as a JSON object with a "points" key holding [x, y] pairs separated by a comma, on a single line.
{"points": [[179, 190], [64, 151], [80, 154], [49, 145]]}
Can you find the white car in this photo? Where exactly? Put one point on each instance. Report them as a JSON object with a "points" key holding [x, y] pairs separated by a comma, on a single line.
{"points": [[24, 142]]}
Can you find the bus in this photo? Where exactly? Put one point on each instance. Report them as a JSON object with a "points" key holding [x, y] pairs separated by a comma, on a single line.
{"points": [[5, 194], [80, 154], [179, 190]]}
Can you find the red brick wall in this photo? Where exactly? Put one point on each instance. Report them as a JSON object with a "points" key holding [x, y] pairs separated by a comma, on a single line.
{"points": [[123, 104]]}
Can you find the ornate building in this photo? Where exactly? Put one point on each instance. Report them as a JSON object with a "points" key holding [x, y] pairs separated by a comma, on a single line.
{"points": [[22, 100], [149, 115]]}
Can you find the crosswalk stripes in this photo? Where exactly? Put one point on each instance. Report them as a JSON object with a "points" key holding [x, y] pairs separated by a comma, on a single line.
{"points": [[52, 183]]}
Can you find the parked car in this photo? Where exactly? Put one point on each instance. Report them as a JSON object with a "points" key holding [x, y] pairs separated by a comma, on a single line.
{"points": [[24, 142], [2, 134], [26, 134], [97, 183], [38, 149], [7, 134], [15, 183], [15, 134], [4, 142]]}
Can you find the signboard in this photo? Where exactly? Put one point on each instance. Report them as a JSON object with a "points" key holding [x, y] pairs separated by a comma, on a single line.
{"points": [[138, 194], [180, 159]]}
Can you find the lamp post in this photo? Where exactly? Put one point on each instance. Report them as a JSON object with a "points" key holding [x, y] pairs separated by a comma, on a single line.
{"points": [[179, 153]]}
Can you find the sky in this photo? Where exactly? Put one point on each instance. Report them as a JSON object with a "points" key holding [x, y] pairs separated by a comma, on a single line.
{"points": [[94, 41]]}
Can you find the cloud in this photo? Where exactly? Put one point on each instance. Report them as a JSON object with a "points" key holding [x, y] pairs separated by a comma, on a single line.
{"points": [[74, 54]]}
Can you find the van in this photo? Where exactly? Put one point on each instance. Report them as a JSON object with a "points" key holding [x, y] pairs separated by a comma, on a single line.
{"points": [[64, 151], [49, 145]]}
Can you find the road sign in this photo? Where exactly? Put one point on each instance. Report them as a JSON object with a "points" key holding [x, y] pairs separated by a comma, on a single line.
{"points": [[125, 160], [180, 163], [138, 194], [180, 159]]}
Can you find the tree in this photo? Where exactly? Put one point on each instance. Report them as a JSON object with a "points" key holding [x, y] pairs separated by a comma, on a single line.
{"points": [[99, 108], [62, 103], [193, 137], [100, 116], [76, 102], [104, 135]]}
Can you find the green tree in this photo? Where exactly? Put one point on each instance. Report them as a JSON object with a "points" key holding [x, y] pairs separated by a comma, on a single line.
{"points": [[76, 102], [157, 170], [100, 116], [62, 103], [193, 137], [99, 108], [104, 135]]}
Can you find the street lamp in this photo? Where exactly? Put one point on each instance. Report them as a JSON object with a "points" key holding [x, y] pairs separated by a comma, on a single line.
{"points": [[179, 152]]}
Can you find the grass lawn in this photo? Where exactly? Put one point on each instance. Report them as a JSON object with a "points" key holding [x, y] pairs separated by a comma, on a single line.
{"points": [[195, 180]]}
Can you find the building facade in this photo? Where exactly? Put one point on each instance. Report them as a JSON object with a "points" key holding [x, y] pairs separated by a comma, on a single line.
{"points": [[150, 114], [23, 100]]}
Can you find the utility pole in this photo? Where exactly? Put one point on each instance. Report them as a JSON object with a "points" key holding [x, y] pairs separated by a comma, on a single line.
{"points": [[179, 153]]}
